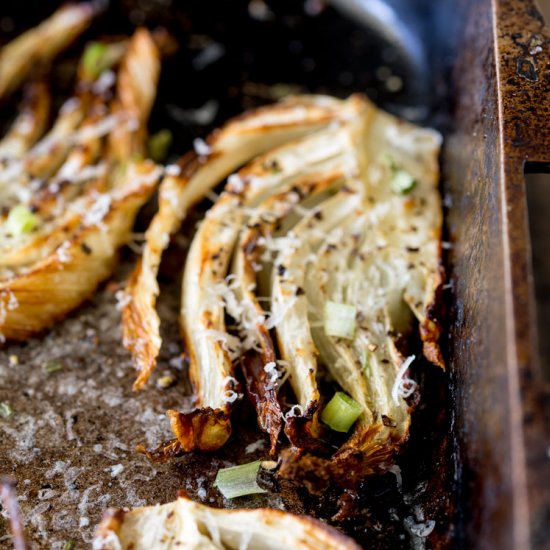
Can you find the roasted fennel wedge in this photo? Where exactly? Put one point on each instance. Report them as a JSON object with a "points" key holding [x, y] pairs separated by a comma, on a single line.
{"points": [[374, 265], [29, 124], [209, 290], [42, 43], [191, 526], [70, 196], [262, 370], [320, 259], [236, 143]]}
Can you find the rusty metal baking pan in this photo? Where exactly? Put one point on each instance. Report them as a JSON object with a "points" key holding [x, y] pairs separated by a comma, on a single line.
{"points": [[477, 459]]}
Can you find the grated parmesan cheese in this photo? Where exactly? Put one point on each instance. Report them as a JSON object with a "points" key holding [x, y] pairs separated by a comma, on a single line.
{"points": [[12, 172], [201, 147], [78, 174], [8, 302], [235, 183], [122, 299], [142, 179], [228, 342], [132, 124], [172, 170], [275, 245], [256, 446], [170, 195], [116, 470], [230, 396], [102, 128], [13, 302], [279, 311], [54, 188], [271, 369], [104, 82], [97, 212], [26, 124], [176, 362], [70, 105], [62, 252], [422, 529], [403, 387]]}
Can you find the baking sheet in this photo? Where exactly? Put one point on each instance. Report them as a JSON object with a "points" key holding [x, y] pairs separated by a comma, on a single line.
{"points": [[70, 442]]}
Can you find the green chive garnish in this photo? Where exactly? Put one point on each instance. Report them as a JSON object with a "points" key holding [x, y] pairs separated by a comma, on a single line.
{"points": [[159, 144], [95, 60], [341, 412], [20, 220], [238, 481], [52, 367], [339, 320], [5, 410], [402, 182]]}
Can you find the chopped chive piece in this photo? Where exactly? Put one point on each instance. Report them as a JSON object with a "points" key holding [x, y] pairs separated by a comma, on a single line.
{"points": [[20, 220], [159, 144], [69, 545], [238, 481], [95, 60], [5, 410], [341, 412], [52, 367], [339, 320], [402, 182]]}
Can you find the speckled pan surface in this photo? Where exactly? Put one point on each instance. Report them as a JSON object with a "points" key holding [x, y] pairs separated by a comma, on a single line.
{"points": [[70, 441]]}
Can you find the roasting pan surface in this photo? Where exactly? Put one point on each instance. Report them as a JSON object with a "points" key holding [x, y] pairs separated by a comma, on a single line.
{"points": [[70, 444]]}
